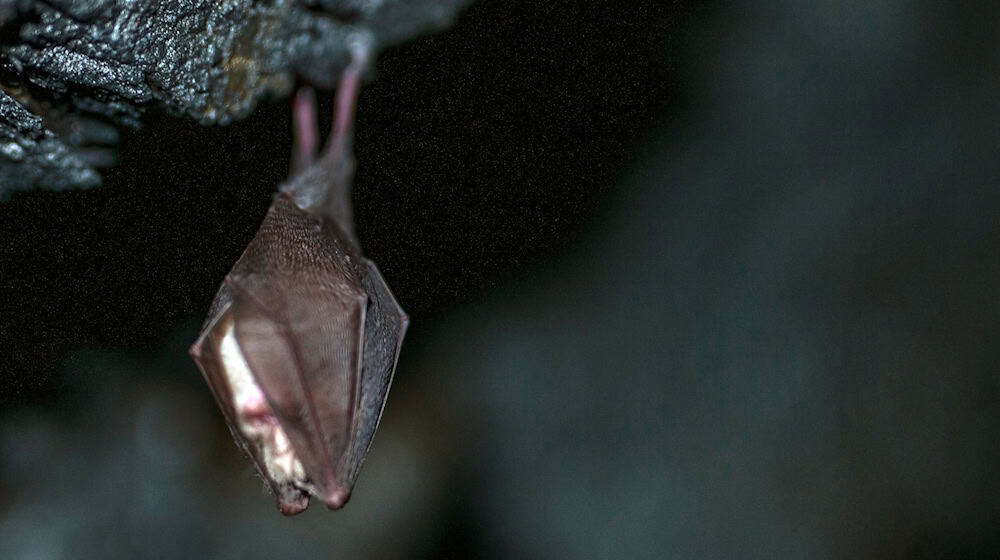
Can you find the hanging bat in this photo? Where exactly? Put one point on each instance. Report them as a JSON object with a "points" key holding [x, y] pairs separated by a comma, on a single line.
{"points": [[302, 339]]}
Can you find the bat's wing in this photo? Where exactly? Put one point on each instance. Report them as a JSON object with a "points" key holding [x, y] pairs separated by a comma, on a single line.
{"points": [[205, 355], [300, 317], [284, 357], [209, 352], [307, 370], [385, 325]]}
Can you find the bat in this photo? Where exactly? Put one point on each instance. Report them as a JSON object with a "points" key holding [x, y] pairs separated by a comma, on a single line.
{"points": [[302, 338]]}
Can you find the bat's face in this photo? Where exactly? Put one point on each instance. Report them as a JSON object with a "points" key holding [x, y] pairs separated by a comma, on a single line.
{"points": [[299, 350]]}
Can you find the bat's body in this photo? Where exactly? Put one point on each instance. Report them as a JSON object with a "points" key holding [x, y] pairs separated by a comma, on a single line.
{"points": [[302, 338]]}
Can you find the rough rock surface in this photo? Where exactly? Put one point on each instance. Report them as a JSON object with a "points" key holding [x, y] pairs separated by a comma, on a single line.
{"points": [[208, 60]]}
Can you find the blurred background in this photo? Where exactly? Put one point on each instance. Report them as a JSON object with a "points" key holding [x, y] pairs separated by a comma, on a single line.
{"points": [[686, 280]]}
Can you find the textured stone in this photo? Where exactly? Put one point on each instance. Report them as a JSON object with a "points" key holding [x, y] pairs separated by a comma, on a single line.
{"points": [[208, 60]]}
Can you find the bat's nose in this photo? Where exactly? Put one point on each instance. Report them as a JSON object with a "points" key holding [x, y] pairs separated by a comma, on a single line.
{"points": [[336, 498]]}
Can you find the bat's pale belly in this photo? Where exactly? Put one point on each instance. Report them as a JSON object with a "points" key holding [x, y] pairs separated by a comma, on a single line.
{"points": [[254, 416]]}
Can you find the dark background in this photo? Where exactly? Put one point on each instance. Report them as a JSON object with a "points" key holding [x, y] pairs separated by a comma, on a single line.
{"points": [[484, 150], [689, 279]]}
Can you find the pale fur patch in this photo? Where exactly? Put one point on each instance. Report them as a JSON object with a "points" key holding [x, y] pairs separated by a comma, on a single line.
{"points": [[255, 418]]}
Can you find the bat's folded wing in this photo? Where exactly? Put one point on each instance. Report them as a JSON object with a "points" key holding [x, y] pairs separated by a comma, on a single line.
{"points": [[302, 337], [288, 345], [385, 325]]}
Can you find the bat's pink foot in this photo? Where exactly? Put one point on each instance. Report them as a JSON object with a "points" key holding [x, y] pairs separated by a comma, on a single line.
{"points": [[305, 141], [323, 185], [339, 145]]}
